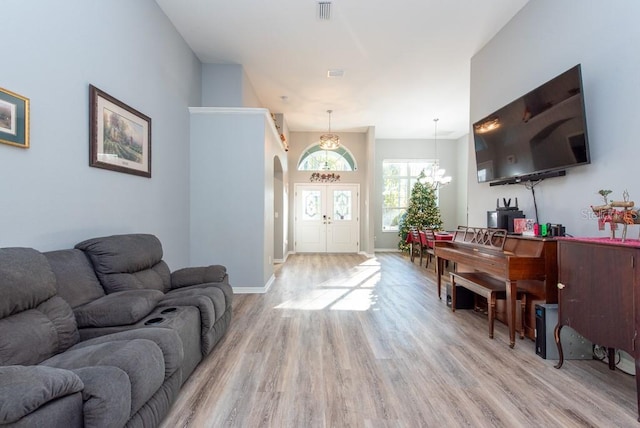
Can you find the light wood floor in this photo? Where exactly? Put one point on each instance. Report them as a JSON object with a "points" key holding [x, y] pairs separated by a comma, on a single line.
{"points": [[346, 341]]}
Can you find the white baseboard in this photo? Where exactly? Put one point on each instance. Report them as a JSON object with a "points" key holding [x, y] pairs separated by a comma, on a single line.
{"points": [[254, 290], [387, 250]]}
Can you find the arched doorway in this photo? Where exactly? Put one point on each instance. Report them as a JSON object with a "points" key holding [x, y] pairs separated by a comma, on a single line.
{"points": [[279, 212]]}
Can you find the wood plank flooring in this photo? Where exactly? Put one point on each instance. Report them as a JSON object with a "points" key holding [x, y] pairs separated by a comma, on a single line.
{"points": [[346, 341]]}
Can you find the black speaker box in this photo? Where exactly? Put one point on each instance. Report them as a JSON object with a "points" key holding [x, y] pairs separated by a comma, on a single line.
{"points": [[503, 219], [465, 299]]}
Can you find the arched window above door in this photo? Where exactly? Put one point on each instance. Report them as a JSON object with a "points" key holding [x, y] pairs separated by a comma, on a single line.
{"points": [[316, 159]]}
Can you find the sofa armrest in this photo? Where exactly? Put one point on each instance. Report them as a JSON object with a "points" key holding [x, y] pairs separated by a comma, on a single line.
{"points": [[24, 389], [120, 308], [197, 275], [106, 396]]}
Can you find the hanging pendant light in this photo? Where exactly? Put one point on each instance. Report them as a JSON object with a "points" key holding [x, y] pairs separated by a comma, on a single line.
{"points": [[329, 141], [436, 176]]}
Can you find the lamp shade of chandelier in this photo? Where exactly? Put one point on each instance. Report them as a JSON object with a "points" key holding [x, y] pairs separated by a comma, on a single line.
{"points": [[329, 141], [435, 176]]}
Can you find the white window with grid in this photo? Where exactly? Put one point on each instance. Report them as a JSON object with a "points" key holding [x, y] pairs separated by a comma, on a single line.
{"points": [[398, 178]]}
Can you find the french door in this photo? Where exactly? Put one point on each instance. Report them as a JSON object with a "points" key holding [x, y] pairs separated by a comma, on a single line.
{"points": [[327, 218]]}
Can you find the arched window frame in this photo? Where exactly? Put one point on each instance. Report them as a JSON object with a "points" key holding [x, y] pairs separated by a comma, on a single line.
{"points": [[341, 151]]}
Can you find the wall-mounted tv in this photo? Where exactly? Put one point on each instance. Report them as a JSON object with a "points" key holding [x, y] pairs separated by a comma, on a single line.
{"points": [[538, 135]]}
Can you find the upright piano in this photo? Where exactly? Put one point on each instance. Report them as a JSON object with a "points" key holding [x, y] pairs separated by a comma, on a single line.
{"points": [[528, 263]]}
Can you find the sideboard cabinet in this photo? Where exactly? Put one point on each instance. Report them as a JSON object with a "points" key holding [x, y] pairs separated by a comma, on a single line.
{"points": [[598, 294]]}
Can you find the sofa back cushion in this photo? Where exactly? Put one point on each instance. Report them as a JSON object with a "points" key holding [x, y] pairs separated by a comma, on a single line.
{"points": [[127, 262], [26, 280], [35, 323], [76, 281]]}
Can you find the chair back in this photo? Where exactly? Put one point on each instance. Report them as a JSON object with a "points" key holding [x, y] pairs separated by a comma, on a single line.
{"points": [[430, 235], [415, 234]]}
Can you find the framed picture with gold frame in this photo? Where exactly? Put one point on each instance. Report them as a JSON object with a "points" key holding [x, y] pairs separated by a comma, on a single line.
{"points": [[120, 136], [14, 119]]}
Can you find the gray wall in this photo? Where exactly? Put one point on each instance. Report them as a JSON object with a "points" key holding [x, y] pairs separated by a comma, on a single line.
{"points": [[224, 224], [51, 198], [227, 85], [416, 149], [232, 193], [368, 239], [238, 172], [222, 85], [461, 178], [249, 96], [543, 40]]}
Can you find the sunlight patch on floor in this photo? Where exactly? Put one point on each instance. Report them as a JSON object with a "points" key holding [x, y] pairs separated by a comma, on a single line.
{"points": [[370, 262], [352, 292], [356, 300], [356, 278], [314, 300]]}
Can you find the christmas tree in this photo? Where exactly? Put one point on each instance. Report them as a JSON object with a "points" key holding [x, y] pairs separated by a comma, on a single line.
{"points": [[422, 212]]}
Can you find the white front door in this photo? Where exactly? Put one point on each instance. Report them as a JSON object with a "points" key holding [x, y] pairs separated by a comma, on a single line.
{"points": [[327, 218]]}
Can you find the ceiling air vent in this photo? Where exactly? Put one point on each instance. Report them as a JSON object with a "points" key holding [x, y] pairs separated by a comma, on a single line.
{"points": [[324, 10]]}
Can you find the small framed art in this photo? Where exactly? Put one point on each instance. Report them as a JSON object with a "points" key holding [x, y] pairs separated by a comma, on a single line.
{"points": [[120, 136], [14, 119]]}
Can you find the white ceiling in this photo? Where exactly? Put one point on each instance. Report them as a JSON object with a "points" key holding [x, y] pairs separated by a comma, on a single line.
{"points": [[406, 62]]}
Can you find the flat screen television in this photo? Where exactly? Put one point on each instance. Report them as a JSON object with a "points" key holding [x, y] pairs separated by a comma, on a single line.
{"points": [[538, 135]]}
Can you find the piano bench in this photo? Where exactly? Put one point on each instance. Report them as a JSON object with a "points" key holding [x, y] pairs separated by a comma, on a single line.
{"points": [[491, 289]]}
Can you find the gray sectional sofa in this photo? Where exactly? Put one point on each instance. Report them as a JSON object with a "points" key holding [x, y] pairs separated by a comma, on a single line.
{"points": [[103, 334]]}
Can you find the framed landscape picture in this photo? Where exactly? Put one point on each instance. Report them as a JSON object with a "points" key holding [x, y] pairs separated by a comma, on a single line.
{"points": [[14, 119], [120, 137]]}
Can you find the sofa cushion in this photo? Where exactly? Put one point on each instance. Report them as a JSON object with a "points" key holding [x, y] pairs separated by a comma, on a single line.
{"points": [[167, 340], [120, 308], [76, 281], [24, 389], [125, 262], [65, 412], [26, 280], [141, 359], [34, 335]]}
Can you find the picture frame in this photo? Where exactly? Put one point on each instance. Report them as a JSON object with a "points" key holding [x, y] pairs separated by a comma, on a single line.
{"points": [[120, 136], [14, 119]]}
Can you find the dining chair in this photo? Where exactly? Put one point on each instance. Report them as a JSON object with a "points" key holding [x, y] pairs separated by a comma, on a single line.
{"points": [[429, 239], [415, 244]]}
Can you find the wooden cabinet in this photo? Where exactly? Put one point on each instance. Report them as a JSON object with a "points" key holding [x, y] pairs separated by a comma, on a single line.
{"points": [[598, 294]]}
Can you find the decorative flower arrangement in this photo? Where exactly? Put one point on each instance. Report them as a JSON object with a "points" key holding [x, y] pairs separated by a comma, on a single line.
{"points": [[324, 178]]}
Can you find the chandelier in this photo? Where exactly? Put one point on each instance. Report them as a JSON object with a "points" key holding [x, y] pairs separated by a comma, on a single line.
{"points": [[435, 176], [329, 141]]}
